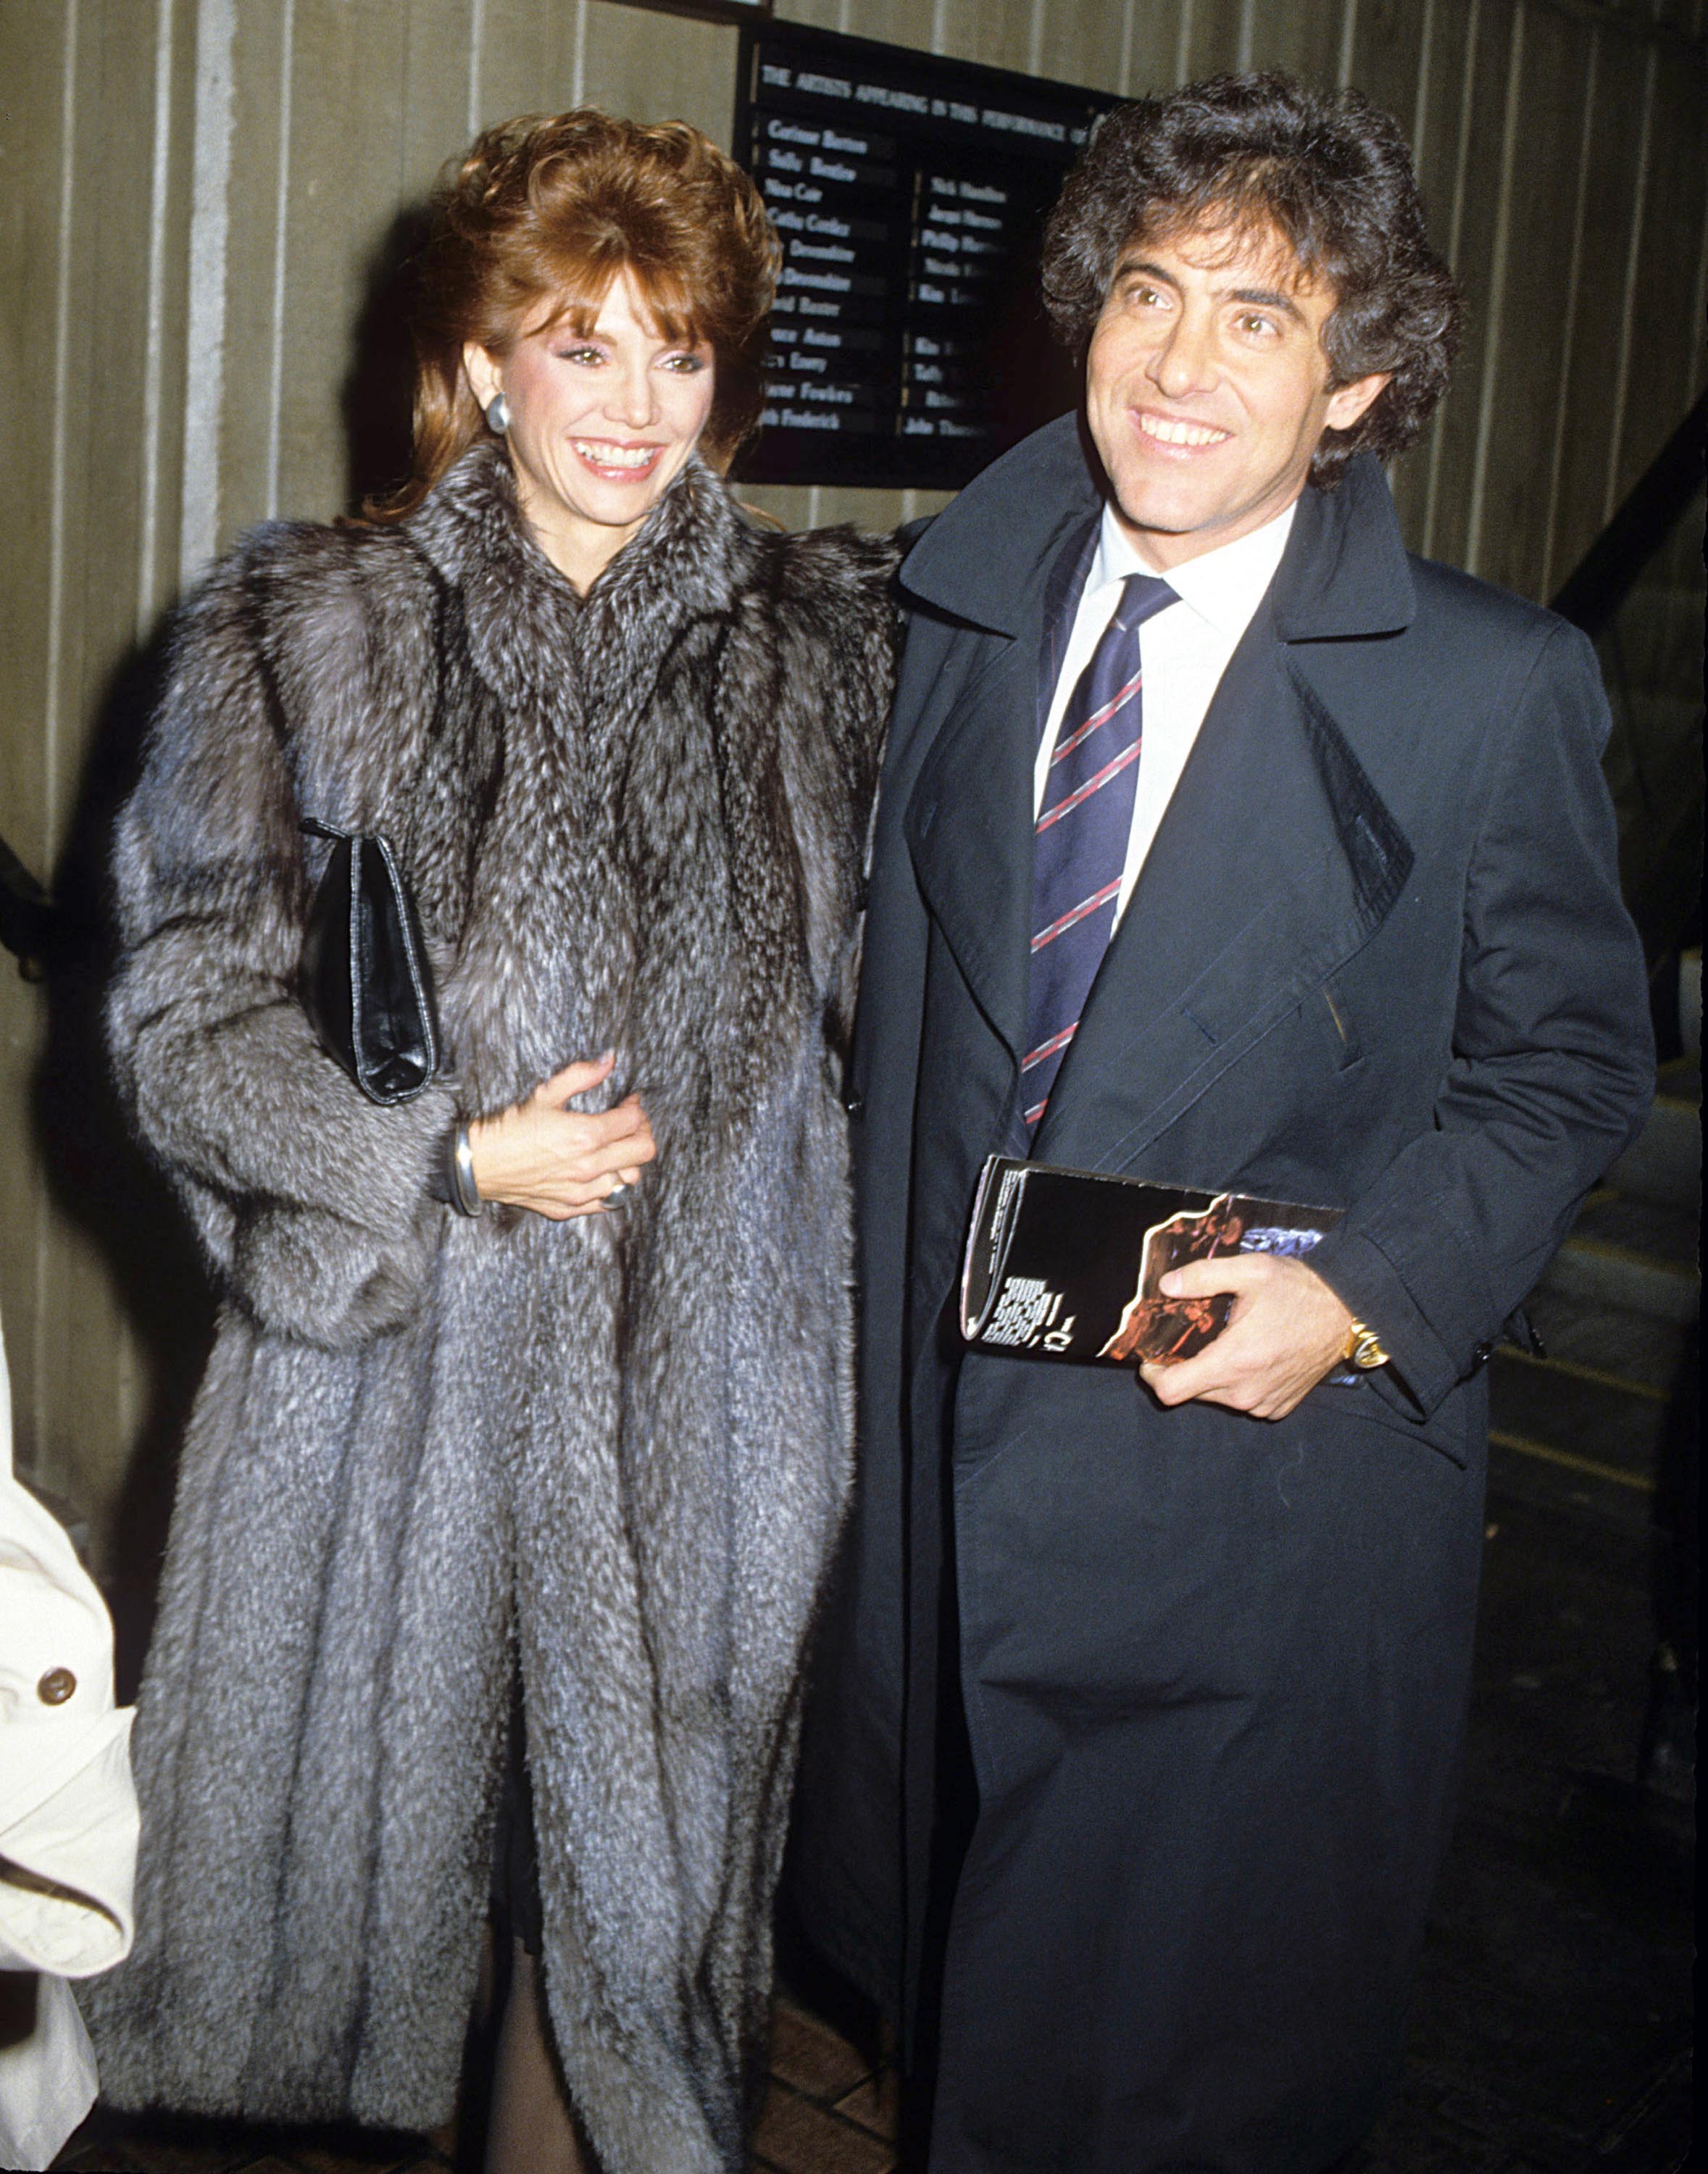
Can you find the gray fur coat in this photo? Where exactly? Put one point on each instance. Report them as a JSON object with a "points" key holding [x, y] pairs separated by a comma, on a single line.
{"points": [[612, 1452]]}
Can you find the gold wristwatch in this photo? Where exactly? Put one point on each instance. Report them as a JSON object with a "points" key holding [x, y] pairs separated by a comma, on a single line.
{"points": [[1362, 1348]]}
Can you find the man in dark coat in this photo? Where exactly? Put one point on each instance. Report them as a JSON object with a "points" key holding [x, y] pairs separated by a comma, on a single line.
{"points": [[1210, 1629]]}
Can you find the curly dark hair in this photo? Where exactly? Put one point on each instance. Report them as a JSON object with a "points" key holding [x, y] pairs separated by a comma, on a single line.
{"points": [[1328, 171]]}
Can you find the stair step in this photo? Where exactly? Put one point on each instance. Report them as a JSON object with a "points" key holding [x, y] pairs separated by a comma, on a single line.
{"points": [[1592, 1416], [1634, 1348], [1593, 1272], [1661, 636], [1665, 719], [1663, 1233], [1585, 1432], [1664, 1164], [1559, 1483]]}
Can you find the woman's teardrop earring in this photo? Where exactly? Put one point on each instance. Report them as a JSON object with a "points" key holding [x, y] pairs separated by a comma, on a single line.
{"points": [[498, 415]]}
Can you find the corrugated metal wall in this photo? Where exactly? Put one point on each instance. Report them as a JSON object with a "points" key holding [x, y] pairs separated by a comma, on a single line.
{"points": [[195, 201]]}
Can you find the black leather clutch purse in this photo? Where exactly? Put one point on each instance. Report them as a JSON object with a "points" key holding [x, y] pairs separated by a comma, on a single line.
{"points": [[365, 981]]}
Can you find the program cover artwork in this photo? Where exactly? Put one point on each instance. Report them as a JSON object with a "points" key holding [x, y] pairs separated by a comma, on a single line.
{"points": [[1067, 1264], [1155, 1328]]}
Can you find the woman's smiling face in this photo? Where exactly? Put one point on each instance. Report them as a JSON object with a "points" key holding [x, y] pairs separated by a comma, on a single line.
{"points": [[600, 424]]}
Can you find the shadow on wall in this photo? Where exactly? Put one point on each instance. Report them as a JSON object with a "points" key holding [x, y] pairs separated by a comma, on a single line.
{"points": [[99, 1182], [98, 1179], [378, 390]]}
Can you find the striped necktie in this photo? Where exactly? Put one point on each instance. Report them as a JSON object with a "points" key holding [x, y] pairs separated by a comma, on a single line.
{"points": [[1081, 840]]}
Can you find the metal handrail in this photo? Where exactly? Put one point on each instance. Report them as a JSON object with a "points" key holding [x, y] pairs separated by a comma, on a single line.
{"points": [[1604, 576]]}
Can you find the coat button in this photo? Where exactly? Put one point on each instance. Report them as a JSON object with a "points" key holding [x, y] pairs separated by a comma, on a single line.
{"points": [[55, 1687], [855, 1105], [1483, 1353]]}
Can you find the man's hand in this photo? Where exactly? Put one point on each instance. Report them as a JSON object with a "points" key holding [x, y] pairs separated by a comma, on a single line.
{"points": [[1286, 1331], [557, 1161]]}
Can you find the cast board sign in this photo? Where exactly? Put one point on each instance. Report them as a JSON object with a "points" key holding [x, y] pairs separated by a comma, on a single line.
{"points": [[909, 345]]}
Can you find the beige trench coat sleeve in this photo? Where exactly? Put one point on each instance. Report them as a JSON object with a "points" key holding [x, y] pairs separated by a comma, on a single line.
{"points": [[68, 1816]]}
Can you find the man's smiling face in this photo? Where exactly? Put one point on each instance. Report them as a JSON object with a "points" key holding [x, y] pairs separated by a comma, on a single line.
{"points": [[1207, 387]]}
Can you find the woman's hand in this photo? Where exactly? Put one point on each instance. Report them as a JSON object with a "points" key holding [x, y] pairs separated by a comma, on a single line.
{"points": [[561, 1162]]}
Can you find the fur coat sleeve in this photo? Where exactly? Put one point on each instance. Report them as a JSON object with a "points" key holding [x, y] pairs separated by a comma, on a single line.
{"points": [[311, 1201], [830, 619]]}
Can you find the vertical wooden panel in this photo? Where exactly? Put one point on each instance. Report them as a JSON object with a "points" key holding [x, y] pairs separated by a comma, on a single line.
{"points": [[1305, 41], [873, 511], [1565, 309], [258, 198], [788, 502], [827, 15], [162, 354], [1387, 57], [96, 302], [1610, 206], [33, 171], [1661, 374], [71, 1421], [1523, 378], [1214, 34], [1439, 114], [74, 505], [1389, 60], [347, 111], [32, 165], [530, 59], [444, 87], [119, 139], [894, 22], [87, 288], [999, 33], [1437, 132], [214, 31], [1153, 42], [1077, 44], [84, 1337], [661, 68], [1476, 224]]}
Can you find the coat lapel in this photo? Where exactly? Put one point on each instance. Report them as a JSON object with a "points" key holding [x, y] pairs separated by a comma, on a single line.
{"points": [[1276, 861], [969, 821]]}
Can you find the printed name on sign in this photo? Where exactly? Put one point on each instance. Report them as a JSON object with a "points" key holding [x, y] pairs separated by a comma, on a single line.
{"points": [[910, 192]]}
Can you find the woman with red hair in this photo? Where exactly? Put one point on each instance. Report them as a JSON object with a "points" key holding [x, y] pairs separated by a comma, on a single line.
{"points": [[509, 1492]]}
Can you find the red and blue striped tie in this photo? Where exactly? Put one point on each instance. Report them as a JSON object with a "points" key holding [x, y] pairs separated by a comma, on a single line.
{"points": [[1080, 847]]}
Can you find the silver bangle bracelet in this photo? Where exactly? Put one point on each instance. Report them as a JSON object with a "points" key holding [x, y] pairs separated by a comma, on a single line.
{"points": [[467, 1201]]}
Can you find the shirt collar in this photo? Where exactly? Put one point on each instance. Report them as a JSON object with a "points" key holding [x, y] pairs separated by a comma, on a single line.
{"points": [[1223, 587]]}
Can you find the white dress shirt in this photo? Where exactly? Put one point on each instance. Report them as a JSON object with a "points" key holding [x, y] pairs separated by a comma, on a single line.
{"points": [[1184, 650]]}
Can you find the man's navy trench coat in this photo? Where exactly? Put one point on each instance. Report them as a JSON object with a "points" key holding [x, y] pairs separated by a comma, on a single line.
{"points": [[1214, 1669]]}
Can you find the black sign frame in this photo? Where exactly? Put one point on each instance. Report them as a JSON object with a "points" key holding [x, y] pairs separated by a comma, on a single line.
{"points": [[710, 11], [1004, 141]]}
